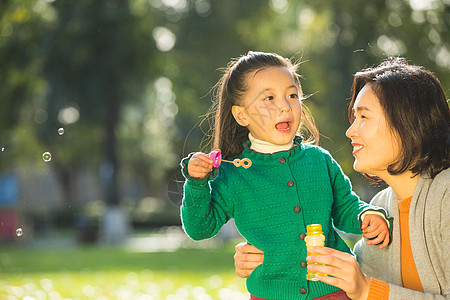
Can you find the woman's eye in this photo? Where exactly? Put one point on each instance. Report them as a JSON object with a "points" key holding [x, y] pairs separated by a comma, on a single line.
{"points": [[358, 116], [269, 98]]}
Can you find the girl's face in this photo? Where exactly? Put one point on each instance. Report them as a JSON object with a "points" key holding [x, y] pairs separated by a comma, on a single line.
{"points": [[271, 109], [375, 147]]}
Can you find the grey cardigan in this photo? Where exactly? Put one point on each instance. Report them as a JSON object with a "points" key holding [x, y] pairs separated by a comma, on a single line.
{"points": [[429, 229]]}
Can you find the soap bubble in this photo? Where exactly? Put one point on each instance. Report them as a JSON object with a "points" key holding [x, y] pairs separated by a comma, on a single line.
{"points": [[3, 149], [19, 231], [47, 156], [60, 131]]}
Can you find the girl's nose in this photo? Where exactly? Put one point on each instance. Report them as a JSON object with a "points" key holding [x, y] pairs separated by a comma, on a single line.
{"points": [[285, 106]]}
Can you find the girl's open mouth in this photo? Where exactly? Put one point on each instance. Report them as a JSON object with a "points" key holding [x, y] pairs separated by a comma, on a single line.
{"points": [[283, 126]]}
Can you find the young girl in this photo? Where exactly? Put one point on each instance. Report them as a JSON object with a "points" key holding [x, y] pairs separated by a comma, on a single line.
{"points": [[289, 184]]}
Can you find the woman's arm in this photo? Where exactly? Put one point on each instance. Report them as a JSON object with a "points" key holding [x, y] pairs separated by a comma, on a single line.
{"points": [[246, 259], [346, 274], [344, 269]]}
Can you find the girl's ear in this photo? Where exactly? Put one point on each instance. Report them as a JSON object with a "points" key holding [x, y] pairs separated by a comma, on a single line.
{"points": [[239, 115]]}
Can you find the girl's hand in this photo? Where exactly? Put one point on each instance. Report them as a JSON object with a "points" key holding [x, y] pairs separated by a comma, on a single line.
{"points": [[200, 165], [344, 268], [246, 259], [375, 229]]}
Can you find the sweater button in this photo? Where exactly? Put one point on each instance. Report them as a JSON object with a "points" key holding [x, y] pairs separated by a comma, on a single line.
{"points": [[302, 235], [297, 209], [303, 264], [303, 291], [282, 160], [290, 183]]}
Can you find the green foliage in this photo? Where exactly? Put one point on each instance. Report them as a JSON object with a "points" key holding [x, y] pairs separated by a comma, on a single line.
{"points": [[140, 73]]}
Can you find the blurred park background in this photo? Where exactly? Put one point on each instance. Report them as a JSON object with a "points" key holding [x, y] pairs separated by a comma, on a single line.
{"points": [[100, 100]]}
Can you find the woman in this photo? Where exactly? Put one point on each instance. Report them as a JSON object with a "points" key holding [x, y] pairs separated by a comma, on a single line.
{"points": [[400, 134]]}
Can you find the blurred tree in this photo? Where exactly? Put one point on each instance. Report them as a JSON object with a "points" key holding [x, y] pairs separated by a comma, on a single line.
{"points": [[338, 38], [99, 56], [20, 31], [129, 80]]}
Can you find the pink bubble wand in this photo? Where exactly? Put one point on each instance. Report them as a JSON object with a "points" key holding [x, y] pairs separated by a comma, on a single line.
{"points": [[216, 157]]}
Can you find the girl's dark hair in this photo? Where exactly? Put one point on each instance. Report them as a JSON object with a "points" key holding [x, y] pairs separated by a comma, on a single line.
{"points": [[416, 110], [227, 134]]}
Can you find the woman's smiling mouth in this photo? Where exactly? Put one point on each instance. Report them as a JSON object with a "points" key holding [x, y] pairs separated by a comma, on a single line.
{"points": [[356, 148]]}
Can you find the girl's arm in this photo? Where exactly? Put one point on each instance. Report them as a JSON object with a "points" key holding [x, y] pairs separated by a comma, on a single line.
{"points": [[347, 207], [376, 230], [199, 166], [202, 214]]}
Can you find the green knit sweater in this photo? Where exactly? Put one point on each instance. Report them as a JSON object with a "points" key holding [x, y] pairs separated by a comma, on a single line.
{"points": [[272, 202]]}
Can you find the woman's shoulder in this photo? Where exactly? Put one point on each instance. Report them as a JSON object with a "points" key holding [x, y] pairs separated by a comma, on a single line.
{"points": [[438, 187], [383, 197], [441, 182], [443, 178]]}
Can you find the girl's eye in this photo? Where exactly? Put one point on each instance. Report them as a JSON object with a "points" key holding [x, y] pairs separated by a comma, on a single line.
{"points": [[293, 96]]}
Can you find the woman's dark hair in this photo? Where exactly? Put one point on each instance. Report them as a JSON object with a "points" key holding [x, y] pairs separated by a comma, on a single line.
{"points": [[227, 134], [416, 110]]}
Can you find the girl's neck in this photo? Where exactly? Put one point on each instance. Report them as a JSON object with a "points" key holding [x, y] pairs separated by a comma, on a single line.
{"points": [[402, 184], [266, 147]]}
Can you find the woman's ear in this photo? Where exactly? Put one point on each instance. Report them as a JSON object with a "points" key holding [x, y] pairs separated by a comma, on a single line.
{"points": [[239, 115]]}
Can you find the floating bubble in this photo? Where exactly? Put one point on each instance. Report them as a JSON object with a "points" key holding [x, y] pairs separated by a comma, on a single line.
{"points": [[47, 156], [60, 131], [3, 149], [19, 231]]}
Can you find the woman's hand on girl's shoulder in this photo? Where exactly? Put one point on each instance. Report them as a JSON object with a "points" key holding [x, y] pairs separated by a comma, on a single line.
{"points": [[200, 165]]}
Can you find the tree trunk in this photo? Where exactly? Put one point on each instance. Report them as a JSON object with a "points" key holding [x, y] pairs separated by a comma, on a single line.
{"points": [[114, 224]]}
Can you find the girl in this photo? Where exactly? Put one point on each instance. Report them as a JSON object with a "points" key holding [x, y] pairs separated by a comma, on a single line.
{"points": [[401, 134], [289, 185]]}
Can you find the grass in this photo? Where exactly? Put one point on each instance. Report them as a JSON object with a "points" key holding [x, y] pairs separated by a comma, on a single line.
{"points": [[115, 273]]}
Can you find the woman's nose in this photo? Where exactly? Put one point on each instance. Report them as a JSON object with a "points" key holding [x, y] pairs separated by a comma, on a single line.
{"points": [[351, 131]]}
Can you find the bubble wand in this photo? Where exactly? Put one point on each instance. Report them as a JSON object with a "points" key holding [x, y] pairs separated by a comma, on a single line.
{"points": [[216, 156]]}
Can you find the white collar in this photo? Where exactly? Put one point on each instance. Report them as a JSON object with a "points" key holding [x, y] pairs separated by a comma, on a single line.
{"points": [[266, 147]]}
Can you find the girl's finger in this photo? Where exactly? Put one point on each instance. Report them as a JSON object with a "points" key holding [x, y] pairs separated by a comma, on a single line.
{"points": [[365, 223], [197, 161], [378, 240], [371, 234], [385, 243]]}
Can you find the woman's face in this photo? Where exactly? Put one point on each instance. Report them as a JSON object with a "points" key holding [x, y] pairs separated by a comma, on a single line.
{"points": [[271, 108], [375, 146]]}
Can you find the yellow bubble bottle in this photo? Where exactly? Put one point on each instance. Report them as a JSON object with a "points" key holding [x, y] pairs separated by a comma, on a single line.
{"points": [[314, 237]]}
